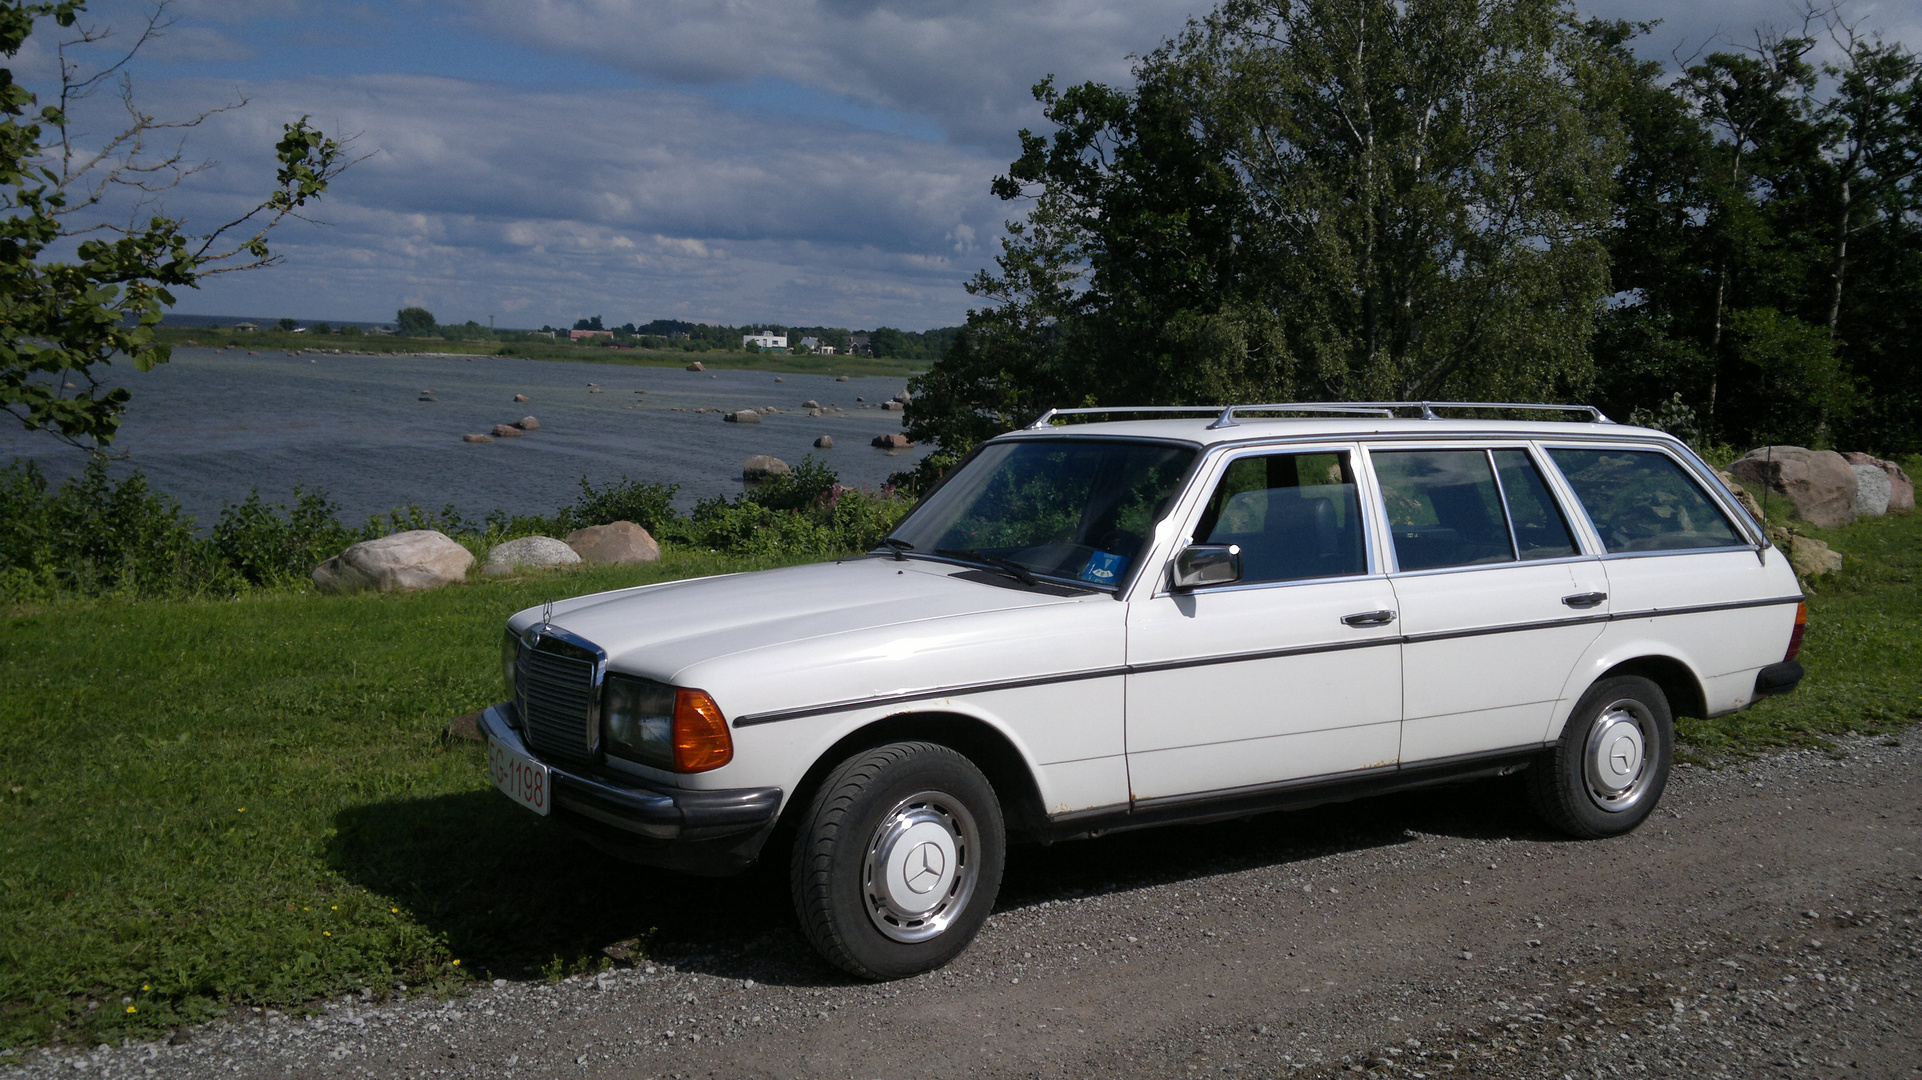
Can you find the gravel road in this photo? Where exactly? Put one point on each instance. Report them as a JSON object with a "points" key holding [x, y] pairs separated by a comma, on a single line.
{"points": [[1764, 923]]}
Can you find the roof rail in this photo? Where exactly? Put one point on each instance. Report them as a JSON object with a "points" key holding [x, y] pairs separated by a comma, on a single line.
{"points": [[1226, 415]]}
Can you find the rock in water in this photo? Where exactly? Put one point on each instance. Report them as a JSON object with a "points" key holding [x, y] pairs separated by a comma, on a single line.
{"points": [[825, 442], [895, 441], [810, 404], [841, 378], [522, 397], [528, 553], [528, 423], [1818, 483], [506, 431], [761, 466], [745, 416], [476, 438], [417, 559], [697, 366], [616, 543]]}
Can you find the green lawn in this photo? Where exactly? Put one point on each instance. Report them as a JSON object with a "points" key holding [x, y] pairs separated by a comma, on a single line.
{"points": [[212, 803]]}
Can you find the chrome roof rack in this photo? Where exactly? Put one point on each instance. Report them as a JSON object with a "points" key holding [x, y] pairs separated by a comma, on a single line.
{"points": [[1225, 417]]}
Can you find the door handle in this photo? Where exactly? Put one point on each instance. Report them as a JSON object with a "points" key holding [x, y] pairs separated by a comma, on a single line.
{"points": [[1369, 618], [1585, 599]]}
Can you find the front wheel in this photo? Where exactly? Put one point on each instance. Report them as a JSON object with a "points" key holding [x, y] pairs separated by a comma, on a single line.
{"points": [[898, 860], [1606, 774]]}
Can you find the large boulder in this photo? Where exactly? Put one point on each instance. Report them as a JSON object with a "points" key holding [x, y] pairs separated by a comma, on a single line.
{"points": [[761, 466], [528, 553], [1901, 488], [825, 442], [417, 559], [1819, 484], [616, 543]]}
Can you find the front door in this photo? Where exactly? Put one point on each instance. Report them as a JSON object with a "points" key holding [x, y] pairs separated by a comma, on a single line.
{"points": [[1292, 673]]}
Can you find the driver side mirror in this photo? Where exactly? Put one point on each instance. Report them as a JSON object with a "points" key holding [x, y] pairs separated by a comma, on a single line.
{"points": [[1205, 564]]}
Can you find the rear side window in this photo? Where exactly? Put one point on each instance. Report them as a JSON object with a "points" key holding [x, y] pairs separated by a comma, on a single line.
{"points": [[1541, 532], [1444, 508], [1641, 500], [1295, 516]]}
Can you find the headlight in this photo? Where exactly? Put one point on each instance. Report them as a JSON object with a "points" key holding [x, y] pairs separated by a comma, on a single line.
{"points": [[510, 660], [664, 726]]}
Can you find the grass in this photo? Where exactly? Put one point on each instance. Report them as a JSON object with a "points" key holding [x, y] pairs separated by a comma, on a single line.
{"points": [[209, 804], [776, 363]]}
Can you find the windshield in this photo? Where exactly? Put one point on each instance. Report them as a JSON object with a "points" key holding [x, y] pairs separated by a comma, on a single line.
{"points": [[1080, 509]]}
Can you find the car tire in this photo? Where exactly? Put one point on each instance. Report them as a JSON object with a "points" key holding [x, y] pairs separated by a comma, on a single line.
{"points": [[1605, 775], [898, 860]]}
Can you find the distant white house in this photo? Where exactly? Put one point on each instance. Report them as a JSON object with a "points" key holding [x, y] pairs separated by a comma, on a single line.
{"points": [[764, 340], [816, 346], [247, 326]]}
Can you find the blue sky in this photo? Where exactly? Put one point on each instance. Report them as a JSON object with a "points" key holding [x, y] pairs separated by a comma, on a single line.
{"points": [[786, 161]]}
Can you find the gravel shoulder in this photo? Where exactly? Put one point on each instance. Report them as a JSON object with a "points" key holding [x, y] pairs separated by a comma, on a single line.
{"points": [[1767, 921]]}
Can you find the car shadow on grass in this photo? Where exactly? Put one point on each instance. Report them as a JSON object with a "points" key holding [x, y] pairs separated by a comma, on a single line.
{"points": [[518, 897]]}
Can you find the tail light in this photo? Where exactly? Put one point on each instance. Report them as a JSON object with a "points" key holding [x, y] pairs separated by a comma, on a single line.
{"points": [[1795, 637]]}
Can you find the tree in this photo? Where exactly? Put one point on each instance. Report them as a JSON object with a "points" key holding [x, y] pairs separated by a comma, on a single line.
{"points": [[415, 321], [66, 318], [589, 324], [287, 324], [1313, 198]]}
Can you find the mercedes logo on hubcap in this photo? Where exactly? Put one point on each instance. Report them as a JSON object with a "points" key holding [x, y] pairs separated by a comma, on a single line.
{"points": [[924, 866]]}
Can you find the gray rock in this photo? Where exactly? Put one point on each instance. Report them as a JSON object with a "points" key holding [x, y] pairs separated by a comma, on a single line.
{"points": [[528, 423], [745, 416], [1872, 490], [1901, 488], [825, 442], [528, 553], [810, 404], [761, 466], [417, 559], [1813, 558], [1819, 484], [476, 438], [617, 543]]}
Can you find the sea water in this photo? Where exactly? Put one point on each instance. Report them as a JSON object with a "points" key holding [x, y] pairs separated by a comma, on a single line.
{"points": [[211, 426]]}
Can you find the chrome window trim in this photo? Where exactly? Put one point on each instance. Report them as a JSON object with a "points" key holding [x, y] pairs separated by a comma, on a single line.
{"points": [[1470, 568]]}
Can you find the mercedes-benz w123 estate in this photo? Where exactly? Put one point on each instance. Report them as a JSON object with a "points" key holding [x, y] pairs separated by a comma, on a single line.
{"points": [[1095, 625]]}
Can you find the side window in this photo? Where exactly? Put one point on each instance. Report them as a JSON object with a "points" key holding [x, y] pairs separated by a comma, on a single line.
{"points": [[1295, 516], [1444, 508], [1641, 500], [1541, 532]]}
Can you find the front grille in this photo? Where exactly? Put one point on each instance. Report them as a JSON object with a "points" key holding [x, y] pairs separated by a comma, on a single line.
{"points": [[557, 694]]}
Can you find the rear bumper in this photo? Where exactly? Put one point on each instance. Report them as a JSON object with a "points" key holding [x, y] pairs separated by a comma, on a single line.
{"points": [[1778, 678], [699, 831]]}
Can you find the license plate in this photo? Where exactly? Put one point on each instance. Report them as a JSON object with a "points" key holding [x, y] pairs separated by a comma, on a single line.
{"points": [[525, 780]]}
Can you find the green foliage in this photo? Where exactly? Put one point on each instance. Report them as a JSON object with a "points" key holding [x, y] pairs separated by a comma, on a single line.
{"points": [[287, 325], [414, 321], [1302, 198], [277, 546], [63, 320], [649, 505]]}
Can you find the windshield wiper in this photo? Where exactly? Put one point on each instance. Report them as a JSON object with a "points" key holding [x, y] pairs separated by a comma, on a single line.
{"points": [[1008, 566], [899, 547]]}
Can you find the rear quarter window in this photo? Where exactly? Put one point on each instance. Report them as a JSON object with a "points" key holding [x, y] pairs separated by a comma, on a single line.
{"points": [[1642, 500]]}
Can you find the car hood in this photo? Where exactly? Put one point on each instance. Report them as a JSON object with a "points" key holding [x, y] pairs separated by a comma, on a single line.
{"points": [[663, 630]]}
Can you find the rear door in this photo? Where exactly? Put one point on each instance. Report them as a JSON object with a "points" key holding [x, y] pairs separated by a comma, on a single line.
{"points": [[1293, 672], [1498, 600]]}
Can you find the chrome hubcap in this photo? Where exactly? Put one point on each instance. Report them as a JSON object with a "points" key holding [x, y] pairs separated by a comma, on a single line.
{"points": [[920, 867], [1616, 755]]}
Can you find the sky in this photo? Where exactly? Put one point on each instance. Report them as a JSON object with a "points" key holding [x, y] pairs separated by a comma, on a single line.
{"points": [[530, 162]]}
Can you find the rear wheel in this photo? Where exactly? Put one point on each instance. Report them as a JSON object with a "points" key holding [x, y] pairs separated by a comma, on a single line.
{"points": [[898, 860], [1607, 773]]}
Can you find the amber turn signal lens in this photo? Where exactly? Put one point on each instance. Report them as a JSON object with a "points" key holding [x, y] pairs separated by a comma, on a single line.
{"points": [[1795, 637], [701, 741]]}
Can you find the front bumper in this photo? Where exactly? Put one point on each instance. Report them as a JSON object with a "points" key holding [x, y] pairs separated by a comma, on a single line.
{"points": [[698, 831]]}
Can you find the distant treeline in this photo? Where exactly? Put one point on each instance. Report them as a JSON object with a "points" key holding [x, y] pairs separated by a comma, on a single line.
{"points": [[882, 341]]}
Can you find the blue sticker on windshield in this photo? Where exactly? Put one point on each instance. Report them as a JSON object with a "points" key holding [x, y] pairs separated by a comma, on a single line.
{"points": [[1104, 568]]}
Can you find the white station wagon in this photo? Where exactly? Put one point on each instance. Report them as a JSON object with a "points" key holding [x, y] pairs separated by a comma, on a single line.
{"points": [[1096, 626]]}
